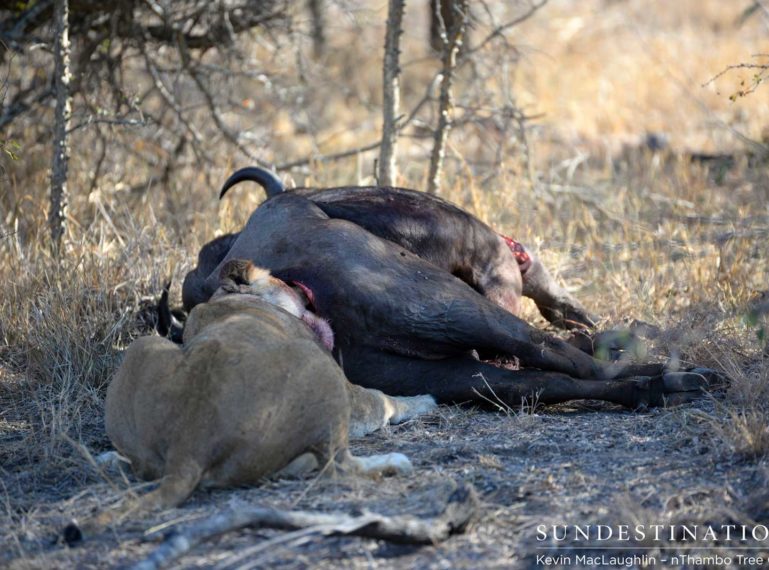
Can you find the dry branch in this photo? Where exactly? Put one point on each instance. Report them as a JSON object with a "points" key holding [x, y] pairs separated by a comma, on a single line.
{"points": [[216, 115], [328, 157], [499, 31], [127, 19], [110, 85], [461, 509], [365, 148], [21, 104], [761, 72]]}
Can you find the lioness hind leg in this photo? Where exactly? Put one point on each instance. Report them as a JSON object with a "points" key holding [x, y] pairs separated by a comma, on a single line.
{"points": [[371, 465], [299, 466], [405, 408], [372, 410], [346, 462], [340, 461]]}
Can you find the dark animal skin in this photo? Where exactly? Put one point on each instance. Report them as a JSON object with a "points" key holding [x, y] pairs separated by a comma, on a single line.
{"points": [[170, 322], [496, 266], [406, 326]]}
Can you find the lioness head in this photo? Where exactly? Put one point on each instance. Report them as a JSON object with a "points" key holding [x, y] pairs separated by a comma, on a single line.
{"points": [[243, 277]]}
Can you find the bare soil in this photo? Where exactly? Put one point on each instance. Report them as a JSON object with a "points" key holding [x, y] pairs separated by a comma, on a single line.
{"points": [[572, 464]]}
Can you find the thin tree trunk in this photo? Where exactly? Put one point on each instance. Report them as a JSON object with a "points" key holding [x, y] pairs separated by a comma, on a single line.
{"points": [[318, 14], [452, 44], [388, 170], [62, 76], [442, 18]]}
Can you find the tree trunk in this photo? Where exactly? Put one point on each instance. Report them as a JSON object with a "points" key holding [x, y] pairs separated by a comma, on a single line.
{"points": [[318, 14], [388, 170], [442, 18], [452, 44], [62, 76]]}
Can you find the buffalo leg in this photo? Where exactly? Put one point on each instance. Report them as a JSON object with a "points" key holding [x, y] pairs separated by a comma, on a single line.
{"points": [[490, 329], [553, 301], [463, 380]]}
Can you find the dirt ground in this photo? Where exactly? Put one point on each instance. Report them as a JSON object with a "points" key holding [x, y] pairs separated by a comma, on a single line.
{"points": [[561, 465]]}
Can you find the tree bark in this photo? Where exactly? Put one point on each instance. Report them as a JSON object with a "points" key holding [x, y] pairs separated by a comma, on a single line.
{"points": [[452, 44], [442, 18], [63, 112], [318, 14], [388, 170]]}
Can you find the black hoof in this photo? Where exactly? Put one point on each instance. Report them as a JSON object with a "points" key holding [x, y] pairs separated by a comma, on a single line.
{"points": [[669, 390], [72, 535], [715, 380], [694, 379], [684, 382], [691, 385]]}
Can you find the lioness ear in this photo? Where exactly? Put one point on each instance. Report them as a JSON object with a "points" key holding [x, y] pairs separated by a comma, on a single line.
{"points": [[228, 286], [236, 271]]}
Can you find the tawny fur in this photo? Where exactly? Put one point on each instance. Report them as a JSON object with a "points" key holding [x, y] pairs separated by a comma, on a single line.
{"points": [[251, 389]]}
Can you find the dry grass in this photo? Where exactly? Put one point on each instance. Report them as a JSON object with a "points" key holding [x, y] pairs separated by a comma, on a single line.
{"points": [[636, 235]]}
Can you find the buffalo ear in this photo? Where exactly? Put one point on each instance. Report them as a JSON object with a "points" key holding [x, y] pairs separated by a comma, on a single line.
{"points": [[236, 271]]}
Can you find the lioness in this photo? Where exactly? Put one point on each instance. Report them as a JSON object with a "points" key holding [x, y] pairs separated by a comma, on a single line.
{"points": [[253, 388]]}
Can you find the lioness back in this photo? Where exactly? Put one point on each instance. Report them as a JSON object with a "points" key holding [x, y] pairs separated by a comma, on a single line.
{"points": [[243, 398]]}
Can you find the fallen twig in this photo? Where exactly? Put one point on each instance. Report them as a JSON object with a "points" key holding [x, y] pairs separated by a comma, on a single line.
{"points": [[461, 509]]}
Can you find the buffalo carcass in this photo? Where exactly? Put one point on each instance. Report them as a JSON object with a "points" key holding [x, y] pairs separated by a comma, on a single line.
{"points": [[407, 327], [498, 267]]}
